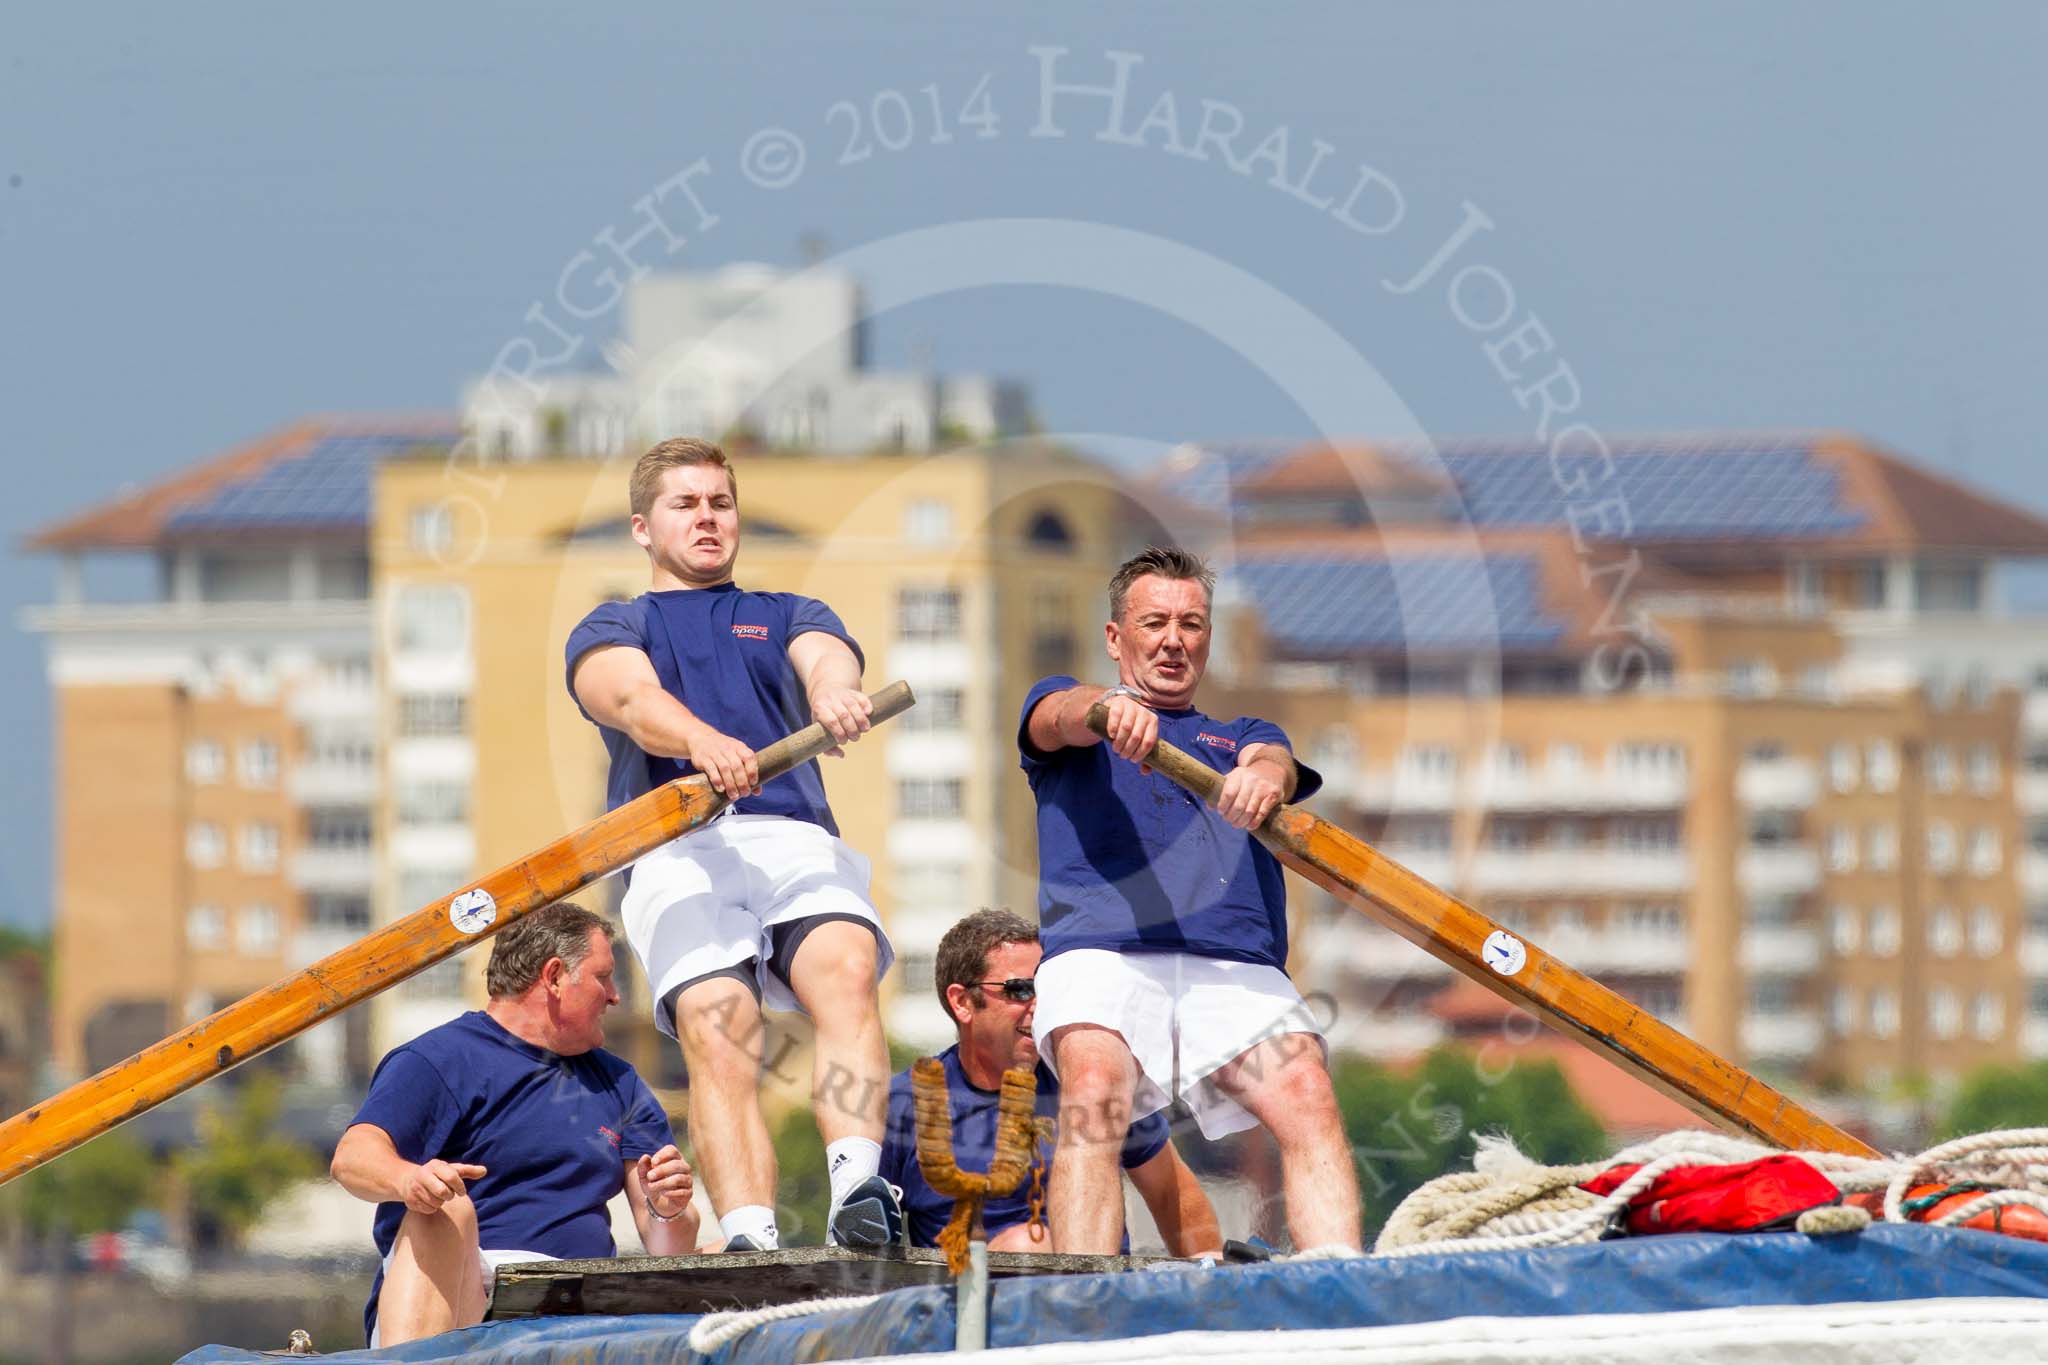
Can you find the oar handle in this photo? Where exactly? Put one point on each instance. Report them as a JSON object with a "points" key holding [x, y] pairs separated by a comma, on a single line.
{"points": [[806, 744], [1183, 767]]}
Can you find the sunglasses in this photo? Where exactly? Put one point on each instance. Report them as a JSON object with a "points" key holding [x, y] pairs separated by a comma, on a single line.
{"points": [[1021, 989]]}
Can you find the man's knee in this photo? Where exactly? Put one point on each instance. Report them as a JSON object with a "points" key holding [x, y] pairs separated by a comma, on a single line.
{"points": [[718, 1026], [454, 1223], [833, 969]]}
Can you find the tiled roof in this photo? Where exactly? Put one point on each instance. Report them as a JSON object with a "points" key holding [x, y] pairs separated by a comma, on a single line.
{"points": [[1682, 490], [312, 476], [1332, 604]]}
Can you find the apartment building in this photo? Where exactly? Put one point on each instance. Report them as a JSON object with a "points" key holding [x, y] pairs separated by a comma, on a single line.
{"points": [[970, 573], [213, 741], [1735, 724]]}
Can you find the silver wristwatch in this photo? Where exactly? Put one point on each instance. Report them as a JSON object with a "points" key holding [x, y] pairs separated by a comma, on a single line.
{"points": [[1123, 690]]}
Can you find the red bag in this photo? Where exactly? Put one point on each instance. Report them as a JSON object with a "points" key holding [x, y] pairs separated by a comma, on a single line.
{"points": [[1750, 1196]]}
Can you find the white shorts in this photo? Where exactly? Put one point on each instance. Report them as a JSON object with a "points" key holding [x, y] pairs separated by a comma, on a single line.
{"points": [[1183, 1017], [705, 901], [487, 1263]]}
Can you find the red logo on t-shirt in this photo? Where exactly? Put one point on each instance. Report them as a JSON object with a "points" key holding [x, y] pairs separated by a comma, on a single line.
{"points": [[1216, 741], [610, 1136], [746, 632]]}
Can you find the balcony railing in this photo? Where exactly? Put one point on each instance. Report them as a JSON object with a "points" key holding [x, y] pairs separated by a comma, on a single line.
{"points": [[2030, 789], [333, 869], [314, 783], [1780, 949], [1785, 1035], [1385, 1035], [1785, 870], [1580, 870], [331, 701], [1510, 790], [2034, 874], [1777, 784]]}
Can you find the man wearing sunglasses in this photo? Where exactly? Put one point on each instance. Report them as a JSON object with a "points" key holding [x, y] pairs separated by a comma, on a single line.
{"points": [[985, 980], [1165, 922]]}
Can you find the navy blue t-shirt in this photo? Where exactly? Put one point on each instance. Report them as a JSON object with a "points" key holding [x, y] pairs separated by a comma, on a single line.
{"points": [[724, 653], [553, 1134], [974, 1146], [1133, 862]]}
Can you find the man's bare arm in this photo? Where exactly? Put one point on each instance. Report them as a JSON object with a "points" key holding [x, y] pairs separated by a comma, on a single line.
{"points": [[829, 672], [1060, 721], [618, 686], [368, 1166]]}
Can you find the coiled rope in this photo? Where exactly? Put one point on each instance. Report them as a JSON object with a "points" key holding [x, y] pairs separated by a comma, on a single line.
{"points": [[1509, 1201]]}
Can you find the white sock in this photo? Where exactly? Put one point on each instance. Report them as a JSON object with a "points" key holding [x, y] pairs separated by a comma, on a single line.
{"points": [[850, 1161], [755, 1222]]}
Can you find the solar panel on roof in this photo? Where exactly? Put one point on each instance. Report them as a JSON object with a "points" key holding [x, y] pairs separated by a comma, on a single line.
{"points": [[1327, 605], [325, 486]]}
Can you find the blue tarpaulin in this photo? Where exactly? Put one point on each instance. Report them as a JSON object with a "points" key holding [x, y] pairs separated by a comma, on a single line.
{"points": [[1636, 1275]]}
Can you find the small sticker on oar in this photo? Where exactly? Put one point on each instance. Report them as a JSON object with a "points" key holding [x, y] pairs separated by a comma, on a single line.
{"points": [[473, 911], [1503, 952]]}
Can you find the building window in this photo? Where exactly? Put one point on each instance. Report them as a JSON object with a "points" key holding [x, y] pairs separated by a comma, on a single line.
{"points": [[1944, 1013], [1648, 759], [1867, 583], [1841, 849], [1882, 766], [1941, 846], [1655, 921], [940, 709], [430, 529], [1430, 760], [1987, 1015], [1752, 678], [432, 715], [1987, 932], [328, 910], [1987, 854], [1945, 932], [1422, 835], [928, 615], [1507, 836], [1568, 834], [1941, 769], [431, 618], [1845, 929], [1842, 767], [1886, 931], [1566, 761], [1948, 587], [1052, 630], [440, 982], [1884, 847], [1048, 531], [930, 798], [206, 928], [205, 762], [1842, 1012], [341, 828], [1645, 834], [433, 803], [258, 763], [1884, 1012], [419, 887], [259, 847], [927, 521], [256, 931], [1984, 774], [206, 844]]}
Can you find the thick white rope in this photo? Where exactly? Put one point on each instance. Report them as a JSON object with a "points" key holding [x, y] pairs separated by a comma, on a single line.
{"points": [[713, 1330]]}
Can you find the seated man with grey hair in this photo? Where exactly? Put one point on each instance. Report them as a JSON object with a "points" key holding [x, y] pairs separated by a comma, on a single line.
{"points": [[501, 1135]]}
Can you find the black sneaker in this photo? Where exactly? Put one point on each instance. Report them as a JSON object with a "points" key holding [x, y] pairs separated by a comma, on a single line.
{"points": [[742, 1243], [870, 1216]]}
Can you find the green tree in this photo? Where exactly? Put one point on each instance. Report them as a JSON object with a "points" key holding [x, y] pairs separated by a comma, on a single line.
{"points": [[93, 1189], [242, 1162], [1409, 1128], [1994, 1097]]}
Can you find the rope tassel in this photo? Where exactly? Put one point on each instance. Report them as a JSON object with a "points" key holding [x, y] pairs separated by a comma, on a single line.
{"points": [[1016, 1140]]}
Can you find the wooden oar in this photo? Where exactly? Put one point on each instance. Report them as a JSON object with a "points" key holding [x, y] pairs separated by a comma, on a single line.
{"points": [[388, 956], [1508, 964]]}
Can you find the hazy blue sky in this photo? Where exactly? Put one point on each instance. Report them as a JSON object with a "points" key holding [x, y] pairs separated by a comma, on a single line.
{"points": [[214, 220]]}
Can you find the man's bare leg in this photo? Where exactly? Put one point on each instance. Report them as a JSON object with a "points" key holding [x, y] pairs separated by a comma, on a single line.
{"points": [[718, 1023], [1098, 1077], [833, 977], [433, 1284], [1285, 1085]]}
